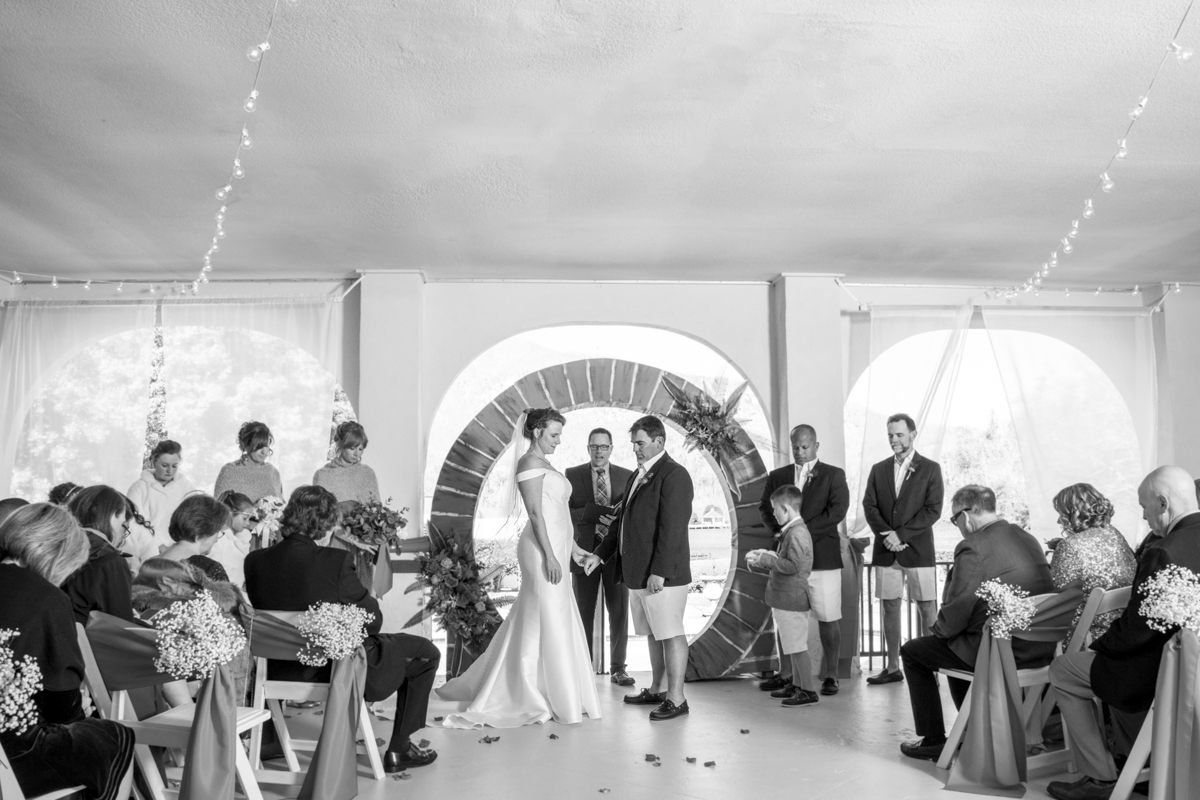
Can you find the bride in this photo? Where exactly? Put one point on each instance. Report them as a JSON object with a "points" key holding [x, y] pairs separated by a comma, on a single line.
{"points": [[537, 666]]}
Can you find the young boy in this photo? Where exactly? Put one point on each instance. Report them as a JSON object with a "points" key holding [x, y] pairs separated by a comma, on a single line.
{"points": [[787, 594]]}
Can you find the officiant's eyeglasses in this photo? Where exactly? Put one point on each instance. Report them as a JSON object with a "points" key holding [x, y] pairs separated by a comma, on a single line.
{"points": [[600, 448]]}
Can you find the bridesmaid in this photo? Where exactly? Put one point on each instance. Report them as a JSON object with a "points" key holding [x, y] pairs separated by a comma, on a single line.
{"points": [[346, 476], [251, 475]]}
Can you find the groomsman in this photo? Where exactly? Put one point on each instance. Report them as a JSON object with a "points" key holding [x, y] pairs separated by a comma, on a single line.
{"points": [[902, 500], [596, 488], [825, 501]]}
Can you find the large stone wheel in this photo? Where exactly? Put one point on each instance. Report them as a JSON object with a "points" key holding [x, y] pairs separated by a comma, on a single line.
{"points": [[739, 636]]}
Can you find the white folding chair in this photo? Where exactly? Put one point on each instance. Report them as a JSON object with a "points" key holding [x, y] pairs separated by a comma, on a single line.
{"points": [[1100, 601], [271, 694], [11, 790], [169, 729], [1135, 768]]}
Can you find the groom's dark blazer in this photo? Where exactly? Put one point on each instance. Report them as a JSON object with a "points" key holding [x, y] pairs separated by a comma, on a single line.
{"points": [[654, 523], [911, 514], [824, 505], [584, 511]]}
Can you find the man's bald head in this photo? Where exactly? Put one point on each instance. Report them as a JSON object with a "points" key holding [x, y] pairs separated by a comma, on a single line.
{"points": [[1165, 495]]}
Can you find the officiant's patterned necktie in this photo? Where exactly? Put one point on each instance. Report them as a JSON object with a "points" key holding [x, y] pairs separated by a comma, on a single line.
{"points": [[602, 497]]}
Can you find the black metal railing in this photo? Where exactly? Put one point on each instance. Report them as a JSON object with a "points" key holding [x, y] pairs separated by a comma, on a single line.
{"points": [[870, 616]]}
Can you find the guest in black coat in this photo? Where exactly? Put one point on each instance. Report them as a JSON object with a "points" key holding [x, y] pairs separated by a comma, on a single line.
{"points": [[902, 500], [40, 545], [104, 583], [596, 488], [300, 571], [1122, 666], [826, 499]]}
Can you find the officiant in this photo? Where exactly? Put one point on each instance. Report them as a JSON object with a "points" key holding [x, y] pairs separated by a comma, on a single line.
{"points": [[597, 487]]}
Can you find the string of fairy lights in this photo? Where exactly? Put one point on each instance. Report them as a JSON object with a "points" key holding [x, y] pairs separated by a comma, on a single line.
{"points": [[257, 54]]}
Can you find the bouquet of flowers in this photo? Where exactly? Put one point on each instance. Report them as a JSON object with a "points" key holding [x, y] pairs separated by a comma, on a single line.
{"points": [[375, 523], [19, 682], [1172, 600], [195, 637], [331, 632], [457, 593], [1009, 608], [266, 525]]}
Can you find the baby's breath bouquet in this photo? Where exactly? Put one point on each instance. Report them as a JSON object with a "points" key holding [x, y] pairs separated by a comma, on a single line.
{"points": [[1172, 600], [331, 632], [195, 637], [1009, 608], [266, 527], [19, 682]]}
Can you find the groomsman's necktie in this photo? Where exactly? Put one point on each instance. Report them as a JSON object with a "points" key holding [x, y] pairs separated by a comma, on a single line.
{"points": [[602, 497]]}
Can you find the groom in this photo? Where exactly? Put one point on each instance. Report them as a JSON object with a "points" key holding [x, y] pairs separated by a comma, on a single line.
{"points": [[654, 560]]}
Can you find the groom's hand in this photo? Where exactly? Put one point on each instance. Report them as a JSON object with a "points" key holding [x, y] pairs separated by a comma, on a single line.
{"points": [[655, 584], [589, 563]]}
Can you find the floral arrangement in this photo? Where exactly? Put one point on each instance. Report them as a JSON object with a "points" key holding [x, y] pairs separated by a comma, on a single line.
{"points": [[1009, 608], [331, 632], [266, 526], [195, 637], [19, 682], [1172, 600], [708, 424], [375, 523], [457, 592]]}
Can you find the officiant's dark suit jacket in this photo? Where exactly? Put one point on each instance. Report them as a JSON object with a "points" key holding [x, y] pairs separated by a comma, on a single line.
{"points": [[585, 513], [823, 507], [1125, 670], [911, 514], [655, 525]]}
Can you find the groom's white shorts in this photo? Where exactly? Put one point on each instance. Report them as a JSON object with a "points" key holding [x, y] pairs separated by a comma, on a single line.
{"points": [[659, 615]]}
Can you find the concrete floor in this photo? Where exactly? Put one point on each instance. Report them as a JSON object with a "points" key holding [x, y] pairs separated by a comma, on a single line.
{"points": [[847, 747]]}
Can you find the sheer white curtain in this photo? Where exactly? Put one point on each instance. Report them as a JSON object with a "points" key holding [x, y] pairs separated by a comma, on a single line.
{"points": [[1089, 419], [74, 398], [227, 362], [921, 384]]}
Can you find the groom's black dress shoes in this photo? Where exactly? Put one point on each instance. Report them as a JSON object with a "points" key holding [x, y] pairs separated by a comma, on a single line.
{"points": [[669, 710], [621, 678], [773, 683], [645, 698], [895, 676], [412, 756]]}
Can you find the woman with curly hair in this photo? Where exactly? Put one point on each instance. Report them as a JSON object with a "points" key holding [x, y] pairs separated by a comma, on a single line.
{"points": [[1092, 550], [251, 475]]}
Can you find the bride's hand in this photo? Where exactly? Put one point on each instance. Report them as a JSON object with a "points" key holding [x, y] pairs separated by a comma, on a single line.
{"points": [[553, 570], [578, 554]]}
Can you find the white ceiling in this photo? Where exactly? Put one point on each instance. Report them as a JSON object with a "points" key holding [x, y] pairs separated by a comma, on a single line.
{"points": [[608, 139]]}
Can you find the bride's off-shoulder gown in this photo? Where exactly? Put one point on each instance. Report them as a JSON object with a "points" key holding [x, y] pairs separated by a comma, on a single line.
{"points": [[537, 667]]}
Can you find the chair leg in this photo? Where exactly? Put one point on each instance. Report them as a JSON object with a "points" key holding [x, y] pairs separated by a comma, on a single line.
{"points": [[285, 737], [245, 775], [145, 762], [1137, 760], [956, 731], [368, 734]]}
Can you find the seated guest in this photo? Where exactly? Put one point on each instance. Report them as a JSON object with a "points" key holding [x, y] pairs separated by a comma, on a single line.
{"points": [[195, 527], [40, 545], [103, 583], [1122, 666], [1092, 550], [9, 505], [161, 488], [991, 549], [299, 571], [231, 549], [61, 493], [788, 595]]}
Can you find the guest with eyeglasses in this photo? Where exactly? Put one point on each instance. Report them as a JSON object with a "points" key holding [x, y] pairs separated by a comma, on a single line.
{"points": [[251, 474], [104, 582], [597, 488]]}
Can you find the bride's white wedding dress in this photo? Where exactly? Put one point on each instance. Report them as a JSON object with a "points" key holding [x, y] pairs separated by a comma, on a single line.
{"points": [[537, 667]]}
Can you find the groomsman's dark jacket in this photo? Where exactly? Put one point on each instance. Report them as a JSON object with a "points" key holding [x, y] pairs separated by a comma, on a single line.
{"points": [[823, 507], [911, 515], [1125, 670], [655, 521], [585, 512]]}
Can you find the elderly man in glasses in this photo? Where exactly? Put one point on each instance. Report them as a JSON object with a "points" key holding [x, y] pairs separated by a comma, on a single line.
{"points": [[597, 488]]}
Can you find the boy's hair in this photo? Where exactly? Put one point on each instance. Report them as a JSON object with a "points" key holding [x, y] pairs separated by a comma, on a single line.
{"points": [[788, 496]]}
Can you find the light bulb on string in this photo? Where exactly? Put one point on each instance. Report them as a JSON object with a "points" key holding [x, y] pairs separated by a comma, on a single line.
{"points": [[215, 247], [255, 53], [121, 286], [251, 102], [1106, 183], [1098, 288], [16, 277], [1177, 289], [1088, 211], [224, 191], [87, 286], [247, 142], [153, 289], [203, 278], [220, 216], [1037, 281], [54, 281], [1054, 259], [1045, 269], [1137, 110], [1122, 150], [1136, 290], [1182, 54], [207, 268], [1074, 228], [1067, 247], [1067, 292], [239, 171], [220, 233]]}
